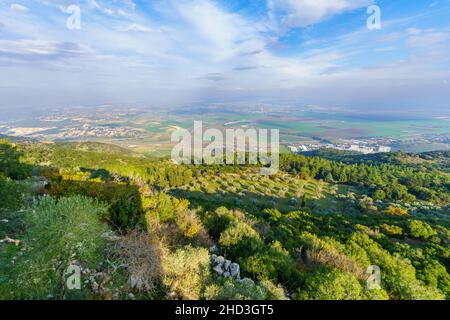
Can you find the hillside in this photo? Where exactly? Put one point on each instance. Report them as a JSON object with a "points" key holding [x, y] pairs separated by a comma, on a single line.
{"points": [[436, 159], [143, 228]]}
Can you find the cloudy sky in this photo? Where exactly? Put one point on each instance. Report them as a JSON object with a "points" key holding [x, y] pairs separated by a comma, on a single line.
{"points": [[169, 52]]}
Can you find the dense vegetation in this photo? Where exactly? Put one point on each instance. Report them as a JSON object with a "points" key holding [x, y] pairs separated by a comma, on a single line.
{"points": [[384, 180], [145, 229]]}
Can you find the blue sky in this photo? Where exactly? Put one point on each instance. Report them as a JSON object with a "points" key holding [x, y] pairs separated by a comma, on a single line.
{"points": [[172, 52]]}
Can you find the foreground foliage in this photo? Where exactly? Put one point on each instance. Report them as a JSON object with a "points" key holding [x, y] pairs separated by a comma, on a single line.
{"points": [[310, 232]]}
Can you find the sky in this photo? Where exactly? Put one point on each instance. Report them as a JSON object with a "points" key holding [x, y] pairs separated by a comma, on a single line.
{"points": [[173, 52]]}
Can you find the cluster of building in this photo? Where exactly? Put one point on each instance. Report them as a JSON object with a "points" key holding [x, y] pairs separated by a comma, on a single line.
{"points": [[74, 132], [362, 148], [97, 131]]}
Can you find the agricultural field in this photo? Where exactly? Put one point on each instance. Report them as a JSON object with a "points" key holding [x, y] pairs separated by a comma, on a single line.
{"points": [[150, 133], [300, 126], [251, 190]]}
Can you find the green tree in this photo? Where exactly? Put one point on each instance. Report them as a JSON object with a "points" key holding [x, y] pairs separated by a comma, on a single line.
{"points": [[330, 284], [240, 240], [379, 194], [419, 229]]}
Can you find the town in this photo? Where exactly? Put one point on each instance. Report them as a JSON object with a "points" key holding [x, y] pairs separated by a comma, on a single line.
{"points": [[353, 146]]}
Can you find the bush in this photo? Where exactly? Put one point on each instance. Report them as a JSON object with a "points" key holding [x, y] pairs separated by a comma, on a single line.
{"points": [[376, 294], [171, 218], [435, 274], [189, 224], [274, 292], [240, 240], [274, 263], [186, 271], [330, 284], [11, 194], [162, 206], [379, 194], [391, 230], [396, 211], [419, 229], [229, 289], [125, 209], [142, 254], [398, 276], [11, 164], [329, 252], [218, 221], [424, 193]]}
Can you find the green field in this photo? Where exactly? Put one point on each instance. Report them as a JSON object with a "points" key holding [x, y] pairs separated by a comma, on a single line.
{"points": [[295, 127]]}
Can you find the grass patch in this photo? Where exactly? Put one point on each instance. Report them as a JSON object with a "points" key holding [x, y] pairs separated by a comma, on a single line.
{"points": [[58, 234]]}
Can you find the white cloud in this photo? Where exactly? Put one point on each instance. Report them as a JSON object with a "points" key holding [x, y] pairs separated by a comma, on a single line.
{"points": [[135, 27], [102, 8], [18, 8], [426, 38], [301, 13], [40, 50], [203, 48], [212, 31], [198, 48]]}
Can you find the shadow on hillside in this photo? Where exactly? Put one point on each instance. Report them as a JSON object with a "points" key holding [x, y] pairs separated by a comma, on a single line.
{"points": [[247, 201], [135, 248], [104, 175], [11, 165], [255, 205], [124, 200]]}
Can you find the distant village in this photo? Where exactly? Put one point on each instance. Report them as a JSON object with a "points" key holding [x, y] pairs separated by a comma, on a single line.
{"points": [[356, 146], [73, 132]]}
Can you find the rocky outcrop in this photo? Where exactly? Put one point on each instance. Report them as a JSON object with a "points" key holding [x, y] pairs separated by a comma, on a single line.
{"points": [[226, 268]]}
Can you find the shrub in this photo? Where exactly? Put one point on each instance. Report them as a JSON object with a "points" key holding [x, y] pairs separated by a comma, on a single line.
{"points": [[218, 221], [376, 294], [229, 289], [419, 229], [395, 211], [165, 207], [319, 252], [330, 284], [257, 266], [423, 193], [142, 254], [379, 194], [274, 292], [11, 194], [170, 217], [186, 271], [240, 240], [391, 230], [125, 210], [398, 276], [189, 224], [435, 274], [11, 164], [274, 263]]}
